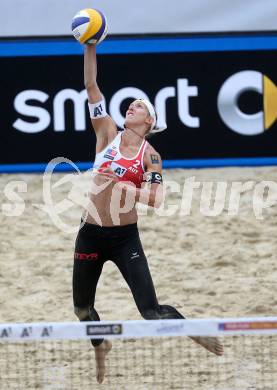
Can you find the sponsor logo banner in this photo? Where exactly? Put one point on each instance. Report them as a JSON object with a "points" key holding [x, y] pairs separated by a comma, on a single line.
{"points": [[233, 326], [227, 111], [101, 329], [164, 329]]}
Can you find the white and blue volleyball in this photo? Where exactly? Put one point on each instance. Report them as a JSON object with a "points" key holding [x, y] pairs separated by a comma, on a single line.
{"points": [[89, 26]]}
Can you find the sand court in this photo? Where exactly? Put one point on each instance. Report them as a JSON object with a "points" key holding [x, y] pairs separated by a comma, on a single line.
{"points": [[205, 266]]}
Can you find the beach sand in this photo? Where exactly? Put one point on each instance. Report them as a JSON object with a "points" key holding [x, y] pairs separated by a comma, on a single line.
{"points": [[206, 266]]}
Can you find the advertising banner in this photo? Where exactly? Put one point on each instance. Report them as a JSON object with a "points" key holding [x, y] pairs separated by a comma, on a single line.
{"points": [[217, 104]]}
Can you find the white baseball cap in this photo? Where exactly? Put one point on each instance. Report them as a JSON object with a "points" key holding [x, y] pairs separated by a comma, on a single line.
{"points": [[153, 115]]}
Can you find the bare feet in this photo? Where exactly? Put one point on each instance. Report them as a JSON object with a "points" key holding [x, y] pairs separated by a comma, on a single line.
{"points": [[212, 344], [100, 356]]}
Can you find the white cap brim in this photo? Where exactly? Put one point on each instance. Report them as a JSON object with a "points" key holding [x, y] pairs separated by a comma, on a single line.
{"points": [[152, 113]]}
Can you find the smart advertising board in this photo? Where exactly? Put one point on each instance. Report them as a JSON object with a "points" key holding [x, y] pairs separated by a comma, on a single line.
{"points": [[217, 95]]}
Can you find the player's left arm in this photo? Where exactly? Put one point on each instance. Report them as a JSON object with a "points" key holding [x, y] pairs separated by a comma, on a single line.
{"points": [[152, 185]]}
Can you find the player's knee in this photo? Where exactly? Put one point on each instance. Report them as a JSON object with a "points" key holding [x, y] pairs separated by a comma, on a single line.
{"points": [[161, 312], [86, 313], [167, 312], [82, 313], [150, 314]]}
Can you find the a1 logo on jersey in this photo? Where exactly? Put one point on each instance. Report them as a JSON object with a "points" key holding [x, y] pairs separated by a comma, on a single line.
{"points": [[119, 170]]}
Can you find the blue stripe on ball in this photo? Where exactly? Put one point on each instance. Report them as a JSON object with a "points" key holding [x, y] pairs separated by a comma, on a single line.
{"points": [[78, 21], [102, 29]]}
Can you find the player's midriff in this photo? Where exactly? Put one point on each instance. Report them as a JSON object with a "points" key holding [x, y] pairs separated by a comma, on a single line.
{"points": [[105, 204]]}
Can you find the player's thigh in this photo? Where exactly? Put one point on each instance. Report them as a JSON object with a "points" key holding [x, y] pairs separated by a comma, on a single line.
{"points": [[88, 264], [133, 265]]}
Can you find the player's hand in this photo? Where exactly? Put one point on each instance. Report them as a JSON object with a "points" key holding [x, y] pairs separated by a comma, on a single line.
{"points": [[108, 173]]}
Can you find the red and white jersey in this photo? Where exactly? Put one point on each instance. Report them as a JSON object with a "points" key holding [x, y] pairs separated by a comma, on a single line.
{"points": [[127, 169]]}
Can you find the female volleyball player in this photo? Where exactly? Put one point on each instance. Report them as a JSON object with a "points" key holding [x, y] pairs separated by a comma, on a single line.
{"points": [[129, 169]]}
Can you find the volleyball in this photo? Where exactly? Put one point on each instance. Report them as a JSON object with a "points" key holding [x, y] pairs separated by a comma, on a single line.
{"points": [[89, 26]]}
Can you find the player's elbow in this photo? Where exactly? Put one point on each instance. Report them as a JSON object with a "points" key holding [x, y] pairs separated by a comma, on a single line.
{"points": [[90, 85]]}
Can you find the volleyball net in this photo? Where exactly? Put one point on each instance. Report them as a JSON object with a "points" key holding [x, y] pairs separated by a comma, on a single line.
{"points": [[146, 355]]}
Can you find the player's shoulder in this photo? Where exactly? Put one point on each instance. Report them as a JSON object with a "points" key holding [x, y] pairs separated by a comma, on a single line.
{"points": [[150, 150]]}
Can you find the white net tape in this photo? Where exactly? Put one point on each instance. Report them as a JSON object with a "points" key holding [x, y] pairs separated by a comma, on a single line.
{"points": [[137, 329], [146, 355]]}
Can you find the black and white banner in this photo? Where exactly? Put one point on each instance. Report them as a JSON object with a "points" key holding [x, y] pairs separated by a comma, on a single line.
{"points": [[217, 104]]}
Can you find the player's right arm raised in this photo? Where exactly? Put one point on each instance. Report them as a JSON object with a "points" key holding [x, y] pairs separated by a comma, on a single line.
{"points": [[104, 127]]}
